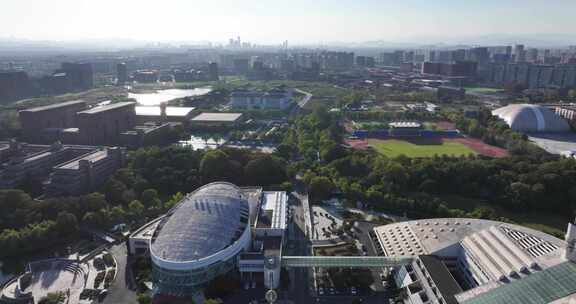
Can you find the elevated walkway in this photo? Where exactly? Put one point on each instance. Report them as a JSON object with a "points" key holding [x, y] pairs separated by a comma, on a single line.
{"points": [[345, 261]]}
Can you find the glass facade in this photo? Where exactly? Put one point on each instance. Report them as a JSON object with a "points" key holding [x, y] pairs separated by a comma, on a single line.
{"points": [[188, 282]]}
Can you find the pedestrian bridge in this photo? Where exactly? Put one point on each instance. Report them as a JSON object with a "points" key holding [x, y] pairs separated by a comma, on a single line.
{"points": [[345, 261]]}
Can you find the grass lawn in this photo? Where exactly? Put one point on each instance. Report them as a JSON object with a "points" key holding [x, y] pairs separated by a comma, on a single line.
{"points": [[483, 90], [394, 147]]}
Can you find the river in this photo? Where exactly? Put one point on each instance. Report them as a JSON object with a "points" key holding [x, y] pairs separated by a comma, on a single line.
{"points": [[160, 96]]}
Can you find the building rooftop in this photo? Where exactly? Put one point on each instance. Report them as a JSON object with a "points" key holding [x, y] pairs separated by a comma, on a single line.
{"points": [[170, 111], [531, 118], [217, 117], [442, 278], [110, 107], [505, 253], [435, 236], [91, 157], [55, 106], [273, 211], [549, 285], [207, 221], [405, 124]]}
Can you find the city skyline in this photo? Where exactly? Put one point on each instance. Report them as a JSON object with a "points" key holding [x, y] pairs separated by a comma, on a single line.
{"points": [[298, 21]]}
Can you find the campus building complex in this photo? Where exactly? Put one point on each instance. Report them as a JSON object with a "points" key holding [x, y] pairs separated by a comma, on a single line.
{"points": [[118, 124], [60, 169], [214, 230], [472, 261]]}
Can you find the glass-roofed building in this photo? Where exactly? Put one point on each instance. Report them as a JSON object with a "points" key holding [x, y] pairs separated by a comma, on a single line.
{"points": [[209, 233]]}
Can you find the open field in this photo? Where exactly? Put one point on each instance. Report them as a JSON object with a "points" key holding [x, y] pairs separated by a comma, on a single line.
{"points": [[419, 147], [483, 90]]}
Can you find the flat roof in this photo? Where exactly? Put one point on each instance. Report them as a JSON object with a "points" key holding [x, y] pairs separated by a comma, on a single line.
{"points": [[109, 107], [215, 117], [429, 236], [55, 106], [170, 111], [442, 278], [273, 212], [92, 157]]}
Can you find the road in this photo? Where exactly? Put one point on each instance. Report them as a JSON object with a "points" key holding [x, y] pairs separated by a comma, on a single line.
{"points": [[307, 96], [120, 291], [299, 290]]}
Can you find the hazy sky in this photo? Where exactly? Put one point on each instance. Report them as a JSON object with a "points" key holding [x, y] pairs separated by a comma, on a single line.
{"points": [[308, 21]]}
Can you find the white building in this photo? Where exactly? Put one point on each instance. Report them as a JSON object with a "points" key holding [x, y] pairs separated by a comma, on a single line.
{"points": [[278, 98], [473, 261]]}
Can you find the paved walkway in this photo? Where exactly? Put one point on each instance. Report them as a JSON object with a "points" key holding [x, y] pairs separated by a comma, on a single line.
{"points": [[120, 291]]}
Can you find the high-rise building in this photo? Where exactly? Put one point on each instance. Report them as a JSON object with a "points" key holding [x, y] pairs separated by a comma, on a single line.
{"points": [[14, 85], [519, 53], [80, 76], [122, 74], [213, 71]]}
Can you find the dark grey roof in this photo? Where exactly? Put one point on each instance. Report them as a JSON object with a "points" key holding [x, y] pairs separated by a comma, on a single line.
{"points": [[54, 106], [97, 110], [204, 223], [442, 278]]}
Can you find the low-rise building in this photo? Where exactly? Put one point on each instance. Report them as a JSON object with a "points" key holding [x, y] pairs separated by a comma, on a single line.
{"points": [[163, 113], [85, 173], [279, 98], [63, 169], [42, 124], [217, 120], [472, 261]]}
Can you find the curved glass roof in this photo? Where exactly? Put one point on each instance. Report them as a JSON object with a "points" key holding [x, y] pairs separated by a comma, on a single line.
{"points": [[204, 223]]}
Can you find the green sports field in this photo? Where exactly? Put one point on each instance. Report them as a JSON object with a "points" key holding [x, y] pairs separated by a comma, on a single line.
{"points": [[419, 148]]}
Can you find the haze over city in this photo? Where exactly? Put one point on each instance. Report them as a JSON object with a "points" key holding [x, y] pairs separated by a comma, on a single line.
{"points": [[287, 152], [299, 21]]}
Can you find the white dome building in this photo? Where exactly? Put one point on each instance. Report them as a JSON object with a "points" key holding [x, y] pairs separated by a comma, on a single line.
{"points": [[531, 118]]}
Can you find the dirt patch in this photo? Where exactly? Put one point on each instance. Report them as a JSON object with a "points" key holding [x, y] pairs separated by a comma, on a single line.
{"points": [[360, 144]]}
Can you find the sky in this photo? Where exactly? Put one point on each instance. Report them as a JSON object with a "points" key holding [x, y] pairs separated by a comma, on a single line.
{"points": [[273, 21]]}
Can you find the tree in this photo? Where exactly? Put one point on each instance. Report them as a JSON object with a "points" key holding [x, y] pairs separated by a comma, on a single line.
{"points": [[115, 191], [321, 187], [144, 298], [216, 165], [265, 170], [135, 209], [150, 198], [66, 223], [53, 298], [117, 214]]}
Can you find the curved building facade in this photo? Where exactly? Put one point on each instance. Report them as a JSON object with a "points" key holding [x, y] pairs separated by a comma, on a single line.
{"points": [[531, 118], [200, 239]]}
